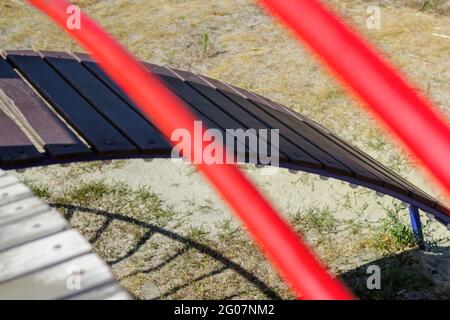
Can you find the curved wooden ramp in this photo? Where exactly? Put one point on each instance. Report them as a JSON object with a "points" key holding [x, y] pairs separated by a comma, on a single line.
{"points": [[59, 107], [41, 257]]}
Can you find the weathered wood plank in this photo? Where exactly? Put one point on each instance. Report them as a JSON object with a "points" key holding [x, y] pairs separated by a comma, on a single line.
{"points": [[15, 147], [41, 253], [69, 278], [101, 134], [112, 291], [13, 193], [8, 180], [298, 146], [33, 114], [31, 228], [20, 209], [131, 124]]}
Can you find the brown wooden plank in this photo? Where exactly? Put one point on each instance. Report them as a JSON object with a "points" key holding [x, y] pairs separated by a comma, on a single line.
{"points": [[228, 107], [98, 72], [302, 144], [32, 112], [101, 134], [131, 124], [198, 104], [15, 147], [392, 180], [95, 69]]}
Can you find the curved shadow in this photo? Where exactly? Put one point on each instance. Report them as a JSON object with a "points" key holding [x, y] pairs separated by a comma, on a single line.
{"points": [[152, 229], [406, 275]]}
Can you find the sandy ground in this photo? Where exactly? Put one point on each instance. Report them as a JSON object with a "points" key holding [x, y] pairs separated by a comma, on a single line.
{"points": [[246, 48]]}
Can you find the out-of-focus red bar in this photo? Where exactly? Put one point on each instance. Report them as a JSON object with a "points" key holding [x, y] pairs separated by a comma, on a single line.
{"points": [[284, 248], [408, 116]]}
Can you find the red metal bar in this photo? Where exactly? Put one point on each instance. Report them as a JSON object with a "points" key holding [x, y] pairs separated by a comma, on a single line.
{"points": [[408, 116], [284, 248]]}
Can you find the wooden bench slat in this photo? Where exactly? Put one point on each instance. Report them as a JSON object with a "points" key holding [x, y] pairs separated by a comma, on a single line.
{"points": [[13, 193], [306, 146], [41, 253], [95, 69], [126, 119], [392, 179], [56, 138], [111, 291], [198, 104], [8, 180], [31, 228], [72, 277], [20, 209], [103, 137], [226, 119], [15, 147]]}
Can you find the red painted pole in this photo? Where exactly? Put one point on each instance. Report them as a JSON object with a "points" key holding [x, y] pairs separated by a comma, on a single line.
{"points": [[283, 247], [408, 116]]}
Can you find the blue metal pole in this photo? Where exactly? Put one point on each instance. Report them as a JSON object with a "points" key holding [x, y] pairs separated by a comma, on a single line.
{"points": [[416, 226]]}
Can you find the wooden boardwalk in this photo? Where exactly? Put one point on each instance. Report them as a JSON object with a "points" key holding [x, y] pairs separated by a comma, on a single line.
{"points": [[41, 257]]}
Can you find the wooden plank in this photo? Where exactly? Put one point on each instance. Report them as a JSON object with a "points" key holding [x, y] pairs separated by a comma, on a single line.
{"points": [[361, 171], [15, 147], [300, 143], [96, 70], [111, 291], [32, 113], [41, 253], [72, 277], [198, 104], [246, 119], [392, 180], [123, 117], [302, 122], [226, 106], [20, 209], [13, 193], [96, 130], [8, 180], [31, 228]]}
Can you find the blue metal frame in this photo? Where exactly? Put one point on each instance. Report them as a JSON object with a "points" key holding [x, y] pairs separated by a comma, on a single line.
{"points": [[417, 226], [440, 217]]}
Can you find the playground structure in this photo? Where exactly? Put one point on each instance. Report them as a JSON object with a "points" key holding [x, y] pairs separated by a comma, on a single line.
{"points": [[379, 87], [59, 108]]}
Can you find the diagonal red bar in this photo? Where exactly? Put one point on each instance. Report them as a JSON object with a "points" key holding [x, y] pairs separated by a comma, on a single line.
{"points": [[408, 116], [283, 247]]}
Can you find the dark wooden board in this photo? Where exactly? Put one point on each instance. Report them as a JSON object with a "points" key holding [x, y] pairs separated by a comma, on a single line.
{"points": [[57, 140], [391, 179], [198, 104], [101, 134], [98, 72], [299, 142], [228, 107], [122, 116], [15, 147]]}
